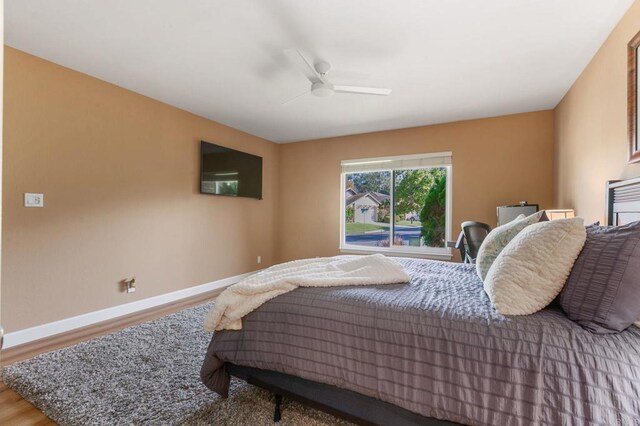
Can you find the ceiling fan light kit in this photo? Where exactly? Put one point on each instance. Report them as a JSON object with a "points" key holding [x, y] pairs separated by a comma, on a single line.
{"points": [[322, 89]]}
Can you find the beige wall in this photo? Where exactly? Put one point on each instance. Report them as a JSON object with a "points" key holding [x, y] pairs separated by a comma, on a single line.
{"points": [[495, 161], [591, 127], [1, 106], [120, 176]]}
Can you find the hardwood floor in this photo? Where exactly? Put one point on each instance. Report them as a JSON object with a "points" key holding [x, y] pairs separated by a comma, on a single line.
{"points": [[14, 410]]}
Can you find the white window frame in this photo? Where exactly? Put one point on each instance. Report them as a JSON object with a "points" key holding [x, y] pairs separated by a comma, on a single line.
{"points": [[440, 253]]}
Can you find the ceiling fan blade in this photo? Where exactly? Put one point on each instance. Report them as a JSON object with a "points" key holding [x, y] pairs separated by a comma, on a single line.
{"points": [[301, 62], [362, 90], [287, 102]]}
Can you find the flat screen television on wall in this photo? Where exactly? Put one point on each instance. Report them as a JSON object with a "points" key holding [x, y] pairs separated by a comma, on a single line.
{"points": [[225, 171]]}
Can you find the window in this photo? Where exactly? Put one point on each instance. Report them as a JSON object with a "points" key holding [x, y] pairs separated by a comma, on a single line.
{"points": [[226, 187], [397, 204]]}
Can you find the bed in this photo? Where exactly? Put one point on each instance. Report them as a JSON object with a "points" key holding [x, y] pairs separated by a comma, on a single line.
{"points": [[623, 201], [432, 351]]}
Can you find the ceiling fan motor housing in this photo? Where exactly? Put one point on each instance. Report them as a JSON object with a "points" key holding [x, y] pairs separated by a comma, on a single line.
{"points": [[322, 89]]}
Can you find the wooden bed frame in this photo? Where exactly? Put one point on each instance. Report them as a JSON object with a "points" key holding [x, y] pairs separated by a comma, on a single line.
{"points": [[623, 206]]}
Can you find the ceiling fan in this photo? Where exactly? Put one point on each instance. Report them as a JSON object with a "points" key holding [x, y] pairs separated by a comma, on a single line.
{"points": [[322, 87]]}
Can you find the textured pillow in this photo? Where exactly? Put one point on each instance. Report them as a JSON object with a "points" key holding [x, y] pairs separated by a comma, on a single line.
{"points": [[498, 239], [531, 271], [603, 290]]}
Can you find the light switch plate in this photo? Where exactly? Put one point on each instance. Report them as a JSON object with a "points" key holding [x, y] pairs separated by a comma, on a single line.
{"points": [[33, 200]]}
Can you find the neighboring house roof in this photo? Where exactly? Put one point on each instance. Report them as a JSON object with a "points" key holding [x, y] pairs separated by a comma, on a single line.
{"points": [[379, 196], [375, 196], [352, 199], [351, 191]]}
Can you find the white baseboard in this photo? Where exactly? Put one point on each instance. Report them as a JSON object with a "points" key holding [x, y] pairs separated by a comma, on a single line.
{"points": [[27, 335]]}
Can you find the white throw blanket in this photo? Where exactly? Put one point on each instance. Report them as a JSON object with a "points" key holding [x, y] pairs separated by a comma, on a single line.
{"points": [[242, 298]]}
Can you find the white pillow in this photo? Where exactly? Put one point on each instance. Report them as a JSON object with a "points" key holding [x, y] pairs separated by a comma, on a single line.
{"points": [[532, 269], [498, 239]]}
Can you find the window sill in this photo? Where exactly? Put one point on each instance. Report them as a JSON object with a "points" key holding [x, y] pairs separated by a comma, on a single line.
{"points": [[445, 255]]}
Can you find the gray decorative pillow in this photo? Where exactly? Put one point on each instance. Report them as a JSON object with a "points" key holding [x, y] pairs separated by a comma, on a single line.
{"points": [[498, 239], [603, 291]]}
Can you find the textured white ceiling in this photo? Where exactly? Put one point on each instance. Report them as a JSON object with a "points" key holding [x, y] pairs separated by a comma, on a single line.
{"points": [[445, 60]]}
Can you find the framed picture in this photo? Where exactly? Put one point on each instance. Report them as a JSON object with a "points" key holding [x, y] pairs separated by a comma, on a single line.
{"points": [[632, 99]]}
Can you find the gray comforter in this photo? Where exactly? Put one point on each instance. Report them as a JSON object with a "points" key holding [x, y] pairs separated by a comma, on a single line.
{"points": [[436, 347]]}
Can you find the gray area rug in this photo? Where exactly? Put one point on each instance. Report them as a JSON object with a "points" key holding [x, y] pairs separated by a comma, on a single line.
{"points": [[145, 374]]}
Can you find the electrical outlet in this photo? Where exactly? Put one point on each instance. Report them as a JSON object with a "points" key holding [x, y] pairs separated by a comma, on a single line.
{"points": [[130, 285], [259, 259]]}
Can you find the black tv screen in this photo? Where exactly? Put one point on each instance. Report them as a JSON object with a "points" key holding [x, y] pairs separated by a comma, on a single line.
{"points": [[225, 171]]}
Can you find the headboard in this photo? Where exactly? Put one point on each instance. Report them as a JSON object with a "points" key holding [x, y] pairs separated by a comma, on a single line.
{"points": [[623, 201]]}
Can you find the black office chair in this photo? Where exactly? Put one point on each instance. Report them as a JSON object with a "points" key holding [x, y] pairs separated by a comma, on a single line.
{"points": [[470, 239]]}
